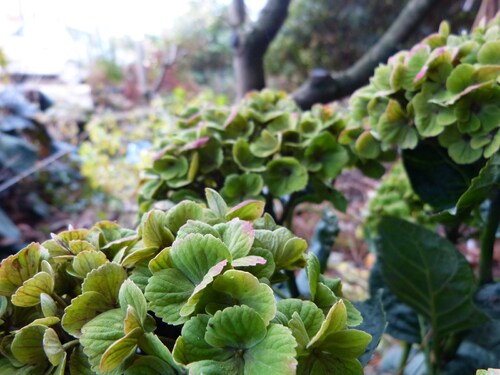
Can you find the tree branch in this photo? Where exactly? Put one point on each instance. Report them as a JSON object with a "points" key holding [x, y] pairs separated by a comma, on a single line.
{"points": [[323, 87], [271, 18]]}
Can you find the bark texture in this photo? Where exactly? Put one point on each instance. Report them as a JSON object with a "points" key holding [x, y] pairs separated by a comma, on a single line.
{"points": [[323, 87], [250, 43]]}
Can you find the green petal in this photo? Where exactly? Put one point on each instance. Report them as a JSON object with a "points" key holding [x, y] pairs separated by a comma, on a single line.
{"points": [[119, 351], [99, 334], [29, 293], [237, 327], [155, 231], [16, 269], [325, 151], [266, 145], [243, 156], [247, 210], [52, 347], [83, 308], [285, 175], [275, 354], [27, 346], [86, 261], [245, 289], [311, 315], [238, 235], [106, 280], [192, 347]]}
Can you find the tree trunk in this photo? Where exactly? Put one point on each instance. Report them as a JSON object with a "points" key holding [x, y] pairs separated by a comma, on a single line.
{"points": [[249, 70], [251, 45]]}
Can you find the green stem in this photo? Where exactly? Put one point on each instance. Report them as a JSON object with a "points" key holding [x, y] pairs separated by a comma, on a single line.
{"points": [[404, 358], [70, 344], [279, 293], [425, 346], [59, 300], [292, 284], [488, 237], [270, 206]]}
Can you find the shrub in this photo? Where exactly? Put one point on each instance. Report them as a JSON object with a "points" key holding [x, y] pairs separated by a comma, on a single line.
{"points": [[264, 148], [444, 88], [199, 279]]}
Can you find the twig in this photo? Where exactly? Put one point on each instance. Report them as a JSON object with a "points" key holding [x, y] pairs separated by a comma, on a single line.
{"points": [[38, 166]]}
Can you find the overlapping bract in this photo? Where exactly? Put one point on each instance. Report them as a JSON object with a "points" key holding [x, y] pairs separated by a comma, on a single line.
{"points": [[91, 301], [263, 146], [446, 87]]}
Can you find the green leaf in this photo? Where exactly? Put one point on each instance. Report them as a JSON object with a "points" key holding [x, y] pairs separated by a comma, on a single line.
{"points": [[16, 269], [412, 259], [313, 272], [155, 231], [248, 210], [178, 215], [310, 315], [49, 307], [374, 323], [52, 347], [238, 235], [193, 227], [489, 53], [435, 177], [195, 254], [237, 327], [245, 159], [288, 255], [402, 320], [237, 188], [99, 334], [27, 346], [266, 145], [367, 146], [347, 344], [192, 347], [460, 78], [78, 362], [245, 289], [275, 354], [119, 351], [151, 345], [167, 292], [481, 186], [86, 261], [325, 152], [197, 293], [29, 293], [284, 176], [83, 308], [106, 280], [149, 365], [216, 203], [170, 167], [335, 321], [135, 256], [130, 294]]}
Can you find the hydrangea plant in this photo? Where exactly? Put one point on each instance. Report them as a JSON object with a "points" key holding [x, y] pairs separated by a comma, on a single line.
{"points": [[445, 87], [263, 148], [193, 289]]}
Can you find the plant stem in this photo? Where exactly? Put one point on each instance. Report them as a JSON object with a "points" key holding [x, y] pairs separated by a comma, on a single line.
{"points": [[425, 346], [279, 293], [59, 300], [488, 237], [292, 284], [404, 358], [70, 344]]}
